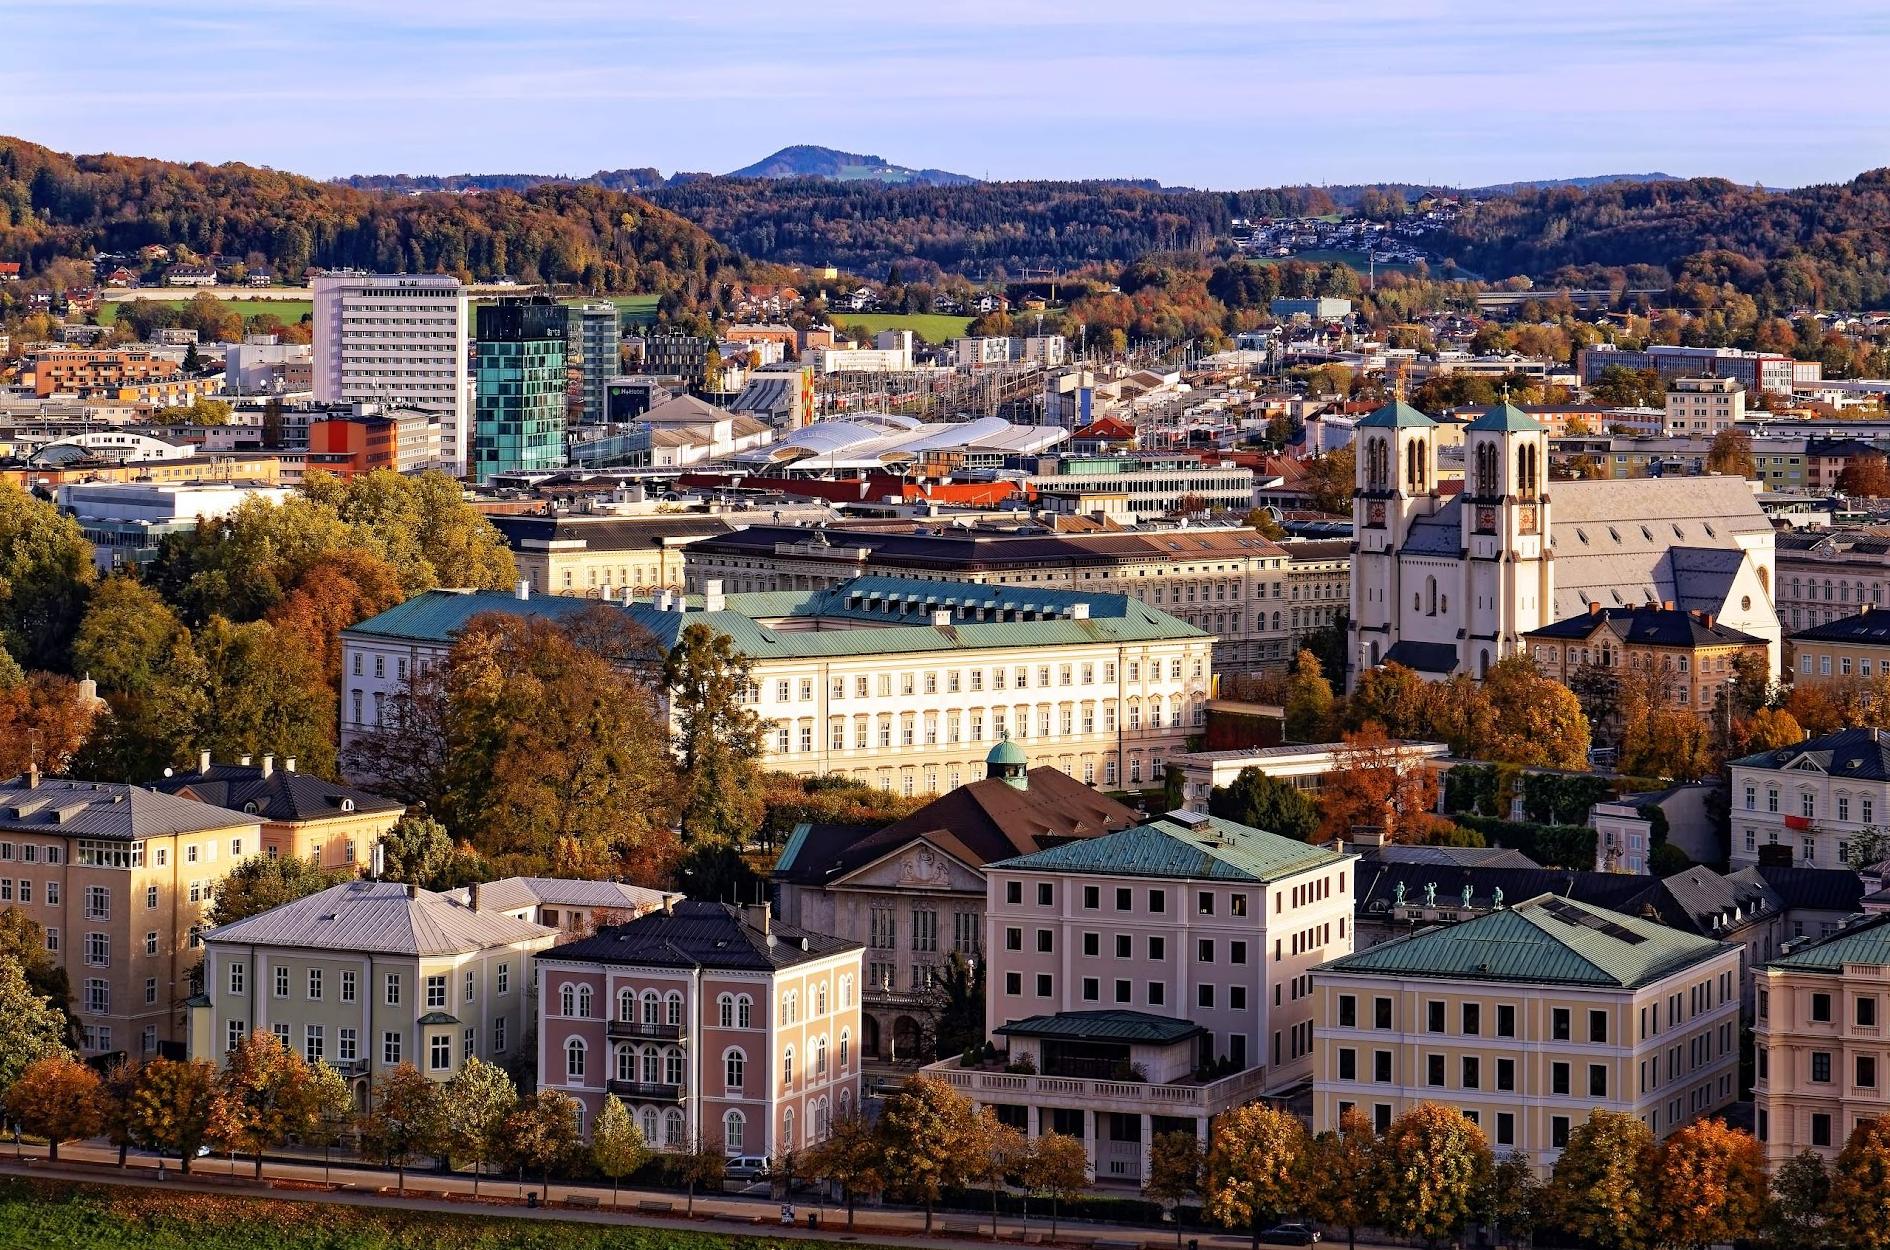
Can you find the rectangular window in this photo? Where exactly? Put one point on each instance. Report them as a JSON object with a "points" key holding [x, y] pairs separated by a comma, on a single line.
{"points": [[1348, 1011], [1434, 1070], [393, 991], [1506, 1020], [1381, 1013], [1506, 1074], [1821, 1067], [315, 983], [282, 982], [1381, 1067], [436, 992], [1558, 1132], [347, 1049], [1559, 1079], [390, 1048], [1559, 1024], [1434, 1017], [347, 985], [1598, 1027]]}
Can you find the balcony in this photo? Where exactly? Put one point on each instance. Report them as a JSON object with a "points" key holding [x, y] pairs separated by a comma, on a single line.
{"points": [[645, 1091], [1186, 1097], [636, 1029]]}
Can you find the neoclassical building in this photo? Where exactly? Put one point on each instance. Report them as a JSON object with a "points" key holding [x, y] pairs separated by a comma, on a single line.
{"points": [[1448, 578]]}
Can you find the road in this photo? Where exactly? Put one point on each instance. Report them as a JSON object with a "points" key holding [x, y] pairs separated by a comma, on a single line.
{"points": [[431, 1191]]}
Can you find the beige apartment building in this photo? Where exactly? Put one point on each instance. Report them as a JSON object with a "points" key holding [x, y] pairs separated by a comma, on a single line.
{"points": [[303, 816], [1704, 405], [1527, 1019], [370, 974], [1820, 1041], [118, 878], [602, 556], [894, 682], [1850, 647]]}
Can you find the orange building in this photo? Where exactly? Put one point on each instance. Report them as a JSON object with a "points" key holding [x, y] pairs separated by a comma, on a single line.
{"points": [[353, 446], [1689, 652], [87, 372]]}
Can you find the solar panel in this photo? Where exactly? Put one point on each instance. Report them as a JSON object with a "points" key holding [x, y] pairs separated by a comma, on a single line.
{"points": [[1570, 914]]}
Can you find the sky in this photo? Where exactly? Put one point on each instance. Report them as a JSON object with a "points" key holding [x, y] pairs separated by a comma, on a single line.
{"points": [[1207, 93]]}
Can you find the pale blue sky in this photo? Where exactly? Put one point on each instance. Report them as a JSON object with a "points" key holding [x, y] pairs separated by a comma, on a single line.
{"points": [[1216, 93]]}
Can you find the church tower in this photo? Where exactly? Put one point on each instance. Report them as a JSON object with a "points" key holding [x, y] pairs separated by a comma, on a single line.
{"points": [[1395, 482], [1509, 586]]}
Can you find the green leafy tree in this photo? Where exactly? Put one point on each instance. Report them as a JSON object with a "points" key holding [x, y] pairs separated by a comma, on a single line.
{"points": [[1513, 1202], [1175, 1164], [265, 697], [149, 671], [851, 1156], [406, 1121], [1801, 1193], [23, 946], [542, 1135], [176, 1107], [31, 1028], [1308, 701], [478, 1100], [931, 1141], [46, 574], [718, 736], [1432, 1166], [1265, 802], [259, 883], [421, 524], [617, 1145], [960, 1023], [330, 1109], [418, 851], [1054, 1166], [1339, 1171], [1601, 1189], [57, 1098], [1253, 1166], [1860, 1188]]}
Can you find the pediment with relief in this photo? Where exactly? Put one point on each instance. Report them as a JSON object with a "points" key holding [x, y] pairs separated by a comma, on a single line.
{"points": [[918, 866]]}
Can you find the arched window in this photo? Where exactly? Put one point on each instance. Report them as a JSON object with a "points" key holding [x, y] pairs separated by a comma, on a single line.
{"points": [[652, 1066], [626, 1005], [846, 991], [822, 1124], [787, 1128], [652, 1008], [820, 1057], [744, 1007], [725, 1011], [734, 1068], [732, 1125], [820, 999], [846, 1046], [648, 1124], [672, 1003], [672, 1128], [584, 1002], [626, 1063], [672, 1066], [1486, 469], [846, 1103], [574, 1059], [1377, 464], [787, 1066], [567, 1000]]}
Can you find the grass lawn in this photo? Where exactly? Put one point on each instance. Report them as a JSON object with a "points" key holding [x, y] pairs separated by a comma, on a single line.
{"points": [[636, 309], [934, 328], [1357, 260], [55, 1216], [289, 310]]}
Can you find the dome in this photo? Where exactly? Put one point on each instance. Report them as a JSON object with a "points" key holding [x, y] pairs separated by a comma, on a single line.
{"points": [[1007, 752]]}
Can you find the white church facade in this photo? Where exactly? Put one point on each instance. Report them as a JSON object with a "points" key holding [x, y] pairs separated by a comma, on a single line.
{"points": [[1448, 581]]}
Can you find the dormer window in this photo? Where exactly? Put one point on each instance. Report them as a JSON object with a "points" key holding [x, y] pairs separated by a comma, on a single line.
{"points": [[250, 807]]}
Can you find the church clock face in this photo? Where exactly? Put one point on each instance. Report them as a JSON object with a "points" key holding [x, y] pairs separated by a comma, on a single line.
{"points": [[1375, 513], [1526, 519], [1486, 520]]}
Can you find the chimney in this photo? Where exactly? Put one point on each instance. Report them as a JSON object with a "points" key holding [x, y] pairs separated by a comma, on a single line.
{"points": [[761, 915], [1079, 612], [524, 589], [669, 904], [268, 764], [243, 760], [1708, 618], [941, 617], [32, 774], [713, 600], [288, 764], [380, 861], [1594, 607], [1366, 835], [413, 891], [203, 761], [472, 896], [1666, 605], [661, 600]]}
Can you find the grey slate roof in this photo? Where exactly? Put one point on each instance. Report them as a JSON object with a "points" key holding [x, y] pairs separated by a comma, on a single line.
{"points": [[1181, 845], [104, 809], [281, 796], [1425, 657], [1544, 940], [1860, 753], [1103, 1026], [713, 935], [1648, 626], [513, 893], [1867, 626], [382, 918]]}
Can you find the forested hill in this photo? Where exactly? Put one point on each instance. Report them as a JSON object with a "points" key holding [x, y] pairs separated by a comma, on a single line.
{"points": [[633, 180], [53, 205], [1827, 246]]}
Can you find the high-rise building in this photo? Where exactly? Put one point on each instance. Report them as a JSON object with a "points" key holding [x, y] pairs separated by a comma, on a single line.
{"points": [[593, 351], [519, 382], [397, 340]]}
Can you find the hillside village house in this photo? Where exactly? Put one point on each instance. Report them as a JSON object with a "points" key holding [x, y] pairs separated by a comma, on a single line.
{"points": [[1823, 1062], [711, 1022], [1812, 797], [118, 878], [1527, 1018], [1156, 977], [896, 683], [913, 892], [303, 816], [367, 975]]}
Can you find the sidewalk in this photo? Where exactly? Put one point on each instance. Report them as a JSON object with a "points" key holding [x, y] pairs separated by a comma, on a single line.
{"points": [[432, 1191]]}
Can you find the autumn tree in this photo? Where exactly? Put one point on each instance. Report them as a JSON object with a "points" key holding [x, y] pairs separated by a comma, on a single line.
{"points": [[1393, 697], [406, 1120], [420, 524], [1660, 739], [1709, 1186], [1860, 1188], [1512, 1202], [477, 1101], [43, 720], [1375, 784], [931, 1141], [1253, 1166], [1534, 720], [265, 696], [698, 1163], [1055, 1166], [617, 1145], [999, 1153], [259, 883], [1308, 701], [58, 1098], [1175, 1165], [542, 1135], [1601, 1189], [1262, 802], [1432, 1165], [31, 1028], [718, 736], [1867, 476], [1339, 1174], [1330, 478], [1731, 453], [267, 1095], [175, 1107], [407, 753], [46, 574], [337, 590], [850, 1157], [1769, 729]]}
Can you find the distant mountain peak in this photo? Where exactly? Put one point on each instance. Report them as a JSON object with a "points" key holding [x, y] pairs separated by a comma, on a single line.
{"points": [[806, 160]]}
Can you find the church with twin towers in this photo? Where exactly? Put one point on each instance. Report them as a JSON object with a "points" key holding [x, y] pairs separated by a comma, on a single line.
{"points": [[1448, 576]]}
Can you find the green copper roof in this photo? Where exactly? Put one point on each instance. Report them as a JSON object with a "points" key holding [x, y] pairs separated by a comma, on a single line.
{"points": [[1103, 1026], [1395, 416], [1177, 846], [1545, 939], [1865, 943], [1506, 418], [1007, 752]]}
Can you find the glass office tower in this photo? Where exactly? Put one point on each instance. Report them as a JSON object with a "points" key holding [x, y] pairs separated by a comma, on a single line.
{"points": [[519, 386]]}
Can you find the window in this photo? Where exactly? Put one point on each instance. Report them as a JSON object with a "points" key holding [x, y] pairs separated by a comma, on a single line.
{"points": [[1204, 903], [98, 949], [1348, 1065], [392, 994], [98, 996], [1558, 1132], [236, 978], [734, 1070], [390, 1048], [1204, 995], [1866, 1072], [282, 982], [732, 1125], [1821, 1008], [1597, 1080], [1821, 1067], [1046, 894], [1472, 1019], [1559, 1079], [1559, 1029], [347, 985], [1381, 1013], [1506, 1074], [436, 994], [573, 1058], [1598, 1026], [1434, 1017], [98, 903], [1348, 1011], [1472, 1072], [150, 897], [1092, 897], [1014, 892], [1820, 1129], [1866, 1013], [1381, 1067], [1433, 1070]]}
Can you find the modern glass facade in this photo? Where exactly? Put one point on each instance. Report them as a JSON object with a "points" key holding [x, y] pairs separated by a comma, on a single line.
{"points": [[520, 386], [596, 340]]}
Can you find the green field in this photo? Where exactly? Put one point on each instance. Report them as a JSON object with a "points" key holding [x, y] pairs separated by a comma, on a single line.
{"points": [[934, 328], [289, 310], [58, 1216], [1319, 256], [636, 309]]}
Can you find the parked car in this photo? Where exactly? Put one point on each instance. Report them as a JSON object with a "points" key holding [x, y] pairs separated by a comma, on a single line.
{"points": [[747, 1168], [1290, 1234]]}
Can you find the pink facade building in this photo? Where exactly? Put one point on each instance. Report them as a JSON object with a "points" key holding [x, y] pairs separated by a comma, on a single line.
{"points": [[710, 1022]]}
